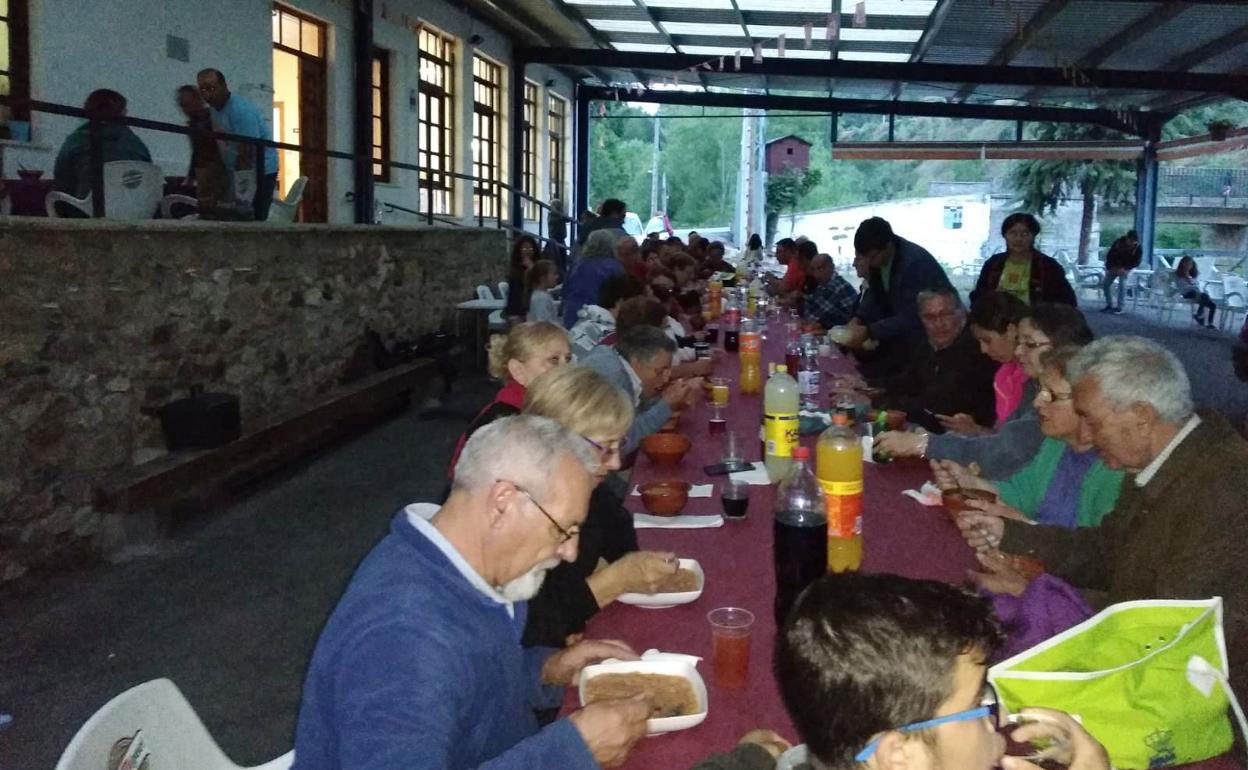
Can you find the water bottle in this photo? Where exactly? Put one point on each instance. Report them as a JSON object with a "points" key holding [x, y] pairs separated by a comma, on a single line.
{"points": [[808, 379], [801, 533]]}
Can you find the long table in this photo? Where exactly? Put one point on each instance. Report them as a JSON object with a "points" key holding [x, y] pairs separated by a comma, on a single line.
{"points": [[900, 536]]}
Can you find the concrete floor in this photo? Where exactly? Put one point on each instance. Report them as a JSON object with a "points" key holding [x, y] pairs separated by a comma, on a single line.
{"points": [[231, 609]]}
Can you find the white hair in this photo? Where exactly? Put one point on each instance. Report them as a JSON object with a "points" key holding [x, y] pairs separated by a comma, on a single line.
{"points": [[1131, 370], [937, 292], [600, 244], [522, 449]]}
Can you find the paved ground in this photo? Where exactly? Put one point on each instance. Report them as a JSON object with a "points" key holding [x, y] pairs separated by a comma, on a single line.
{"points": [[232, 610]]}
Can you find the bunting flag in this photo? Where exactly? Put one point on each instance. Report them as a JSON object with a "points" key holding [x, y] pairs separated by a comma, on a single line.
{"points": [[807, 30], [833, 32], [721, 64], [736, 61], [860, 14], [780, 46], [758, 53], [602, 109]]}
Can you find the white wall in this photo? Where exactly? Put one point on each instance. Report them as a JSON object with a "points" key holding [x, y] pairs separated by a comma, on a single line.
{"points": [[79, 46]]}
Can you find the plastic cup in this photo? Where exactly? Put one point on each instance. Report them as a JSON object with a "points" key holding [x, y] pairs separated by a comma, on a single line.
{"points": [[730, 645], [717, 422], [735, 496], [719, 391], [732, 448]]}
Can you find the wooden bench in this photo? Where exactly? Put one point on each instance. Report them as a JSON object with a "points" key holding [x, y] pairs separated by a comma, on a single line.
{"points": [[186, 482]]}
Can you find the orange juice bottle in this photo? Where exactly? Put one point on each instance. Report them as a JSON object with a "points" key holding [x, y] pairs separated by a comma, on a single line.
{"points": [[838, 466], [715, 293], [750, 352]]}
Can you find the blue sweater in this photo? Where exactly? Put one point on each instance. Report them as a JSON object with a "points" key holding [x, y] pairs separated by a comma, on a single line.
{"points": [[417, 669], [582, 286]]}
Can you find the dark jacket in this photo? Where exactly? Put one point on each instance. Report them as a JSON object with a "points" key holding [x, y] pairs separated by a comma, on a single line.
{"points": [[1048, 279], [956, 379], [1124, 256], [892, 315], [72, 171], [565, 604], [1180, 537]]}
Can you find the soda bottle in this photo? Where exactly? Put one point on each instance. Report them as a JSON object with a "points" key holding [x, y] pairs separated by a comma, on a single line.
{"points": [[838, 466], [714, 291], [780, 423], [751, 299], [750, 347], [801, 533], [793, 357], [808, 379]]}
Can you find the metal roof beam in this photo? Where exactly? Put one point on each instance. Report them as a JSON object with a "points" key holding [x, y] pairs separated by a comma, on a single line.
{"points": [[1197, 56], [1047, 13], [1136, 124], [728, 16], [1135, 80], [574, 14], [934, 22], [641, 6]]}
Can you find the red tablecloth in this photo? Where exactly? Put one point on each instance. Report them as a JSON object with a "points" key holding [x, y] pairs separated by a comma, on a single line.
{"points": [[900, 536], [28, 196]]}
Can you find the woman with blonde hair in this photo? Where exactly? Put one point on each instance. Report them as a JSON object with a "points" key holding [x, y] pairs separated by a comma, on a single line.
{"points": [[517, 358], [608, 563]]}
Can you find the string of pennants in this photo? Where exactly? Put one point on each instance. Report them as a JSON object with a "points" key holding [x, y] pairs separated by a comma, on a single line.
{"points": [[831, 27]]}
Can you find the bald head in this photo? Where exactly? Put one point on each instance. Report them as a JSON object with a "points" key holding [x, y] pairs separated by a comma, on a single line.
{"points": [[822, 269]]}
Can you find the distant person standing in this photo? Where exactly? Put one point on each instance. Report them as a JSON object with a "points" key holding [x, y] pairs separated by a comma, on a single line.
{"points": [[233, 114], [206, 171], [1123, 257], [1022, 270], [557, 231], [72, 172]]}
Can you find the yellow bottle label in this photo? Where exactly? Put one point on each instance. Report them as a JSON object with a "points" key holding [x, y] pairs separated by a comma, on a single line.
{"points": [[781, 431]]}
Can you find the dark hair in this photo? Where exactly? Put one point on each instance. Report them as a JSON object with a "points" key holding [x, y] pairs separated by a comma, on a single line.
{"points": [[103, 103], [756, 241], [639, 311], [517, 265], [613, 206], [643, 343], [996, 310], [861, 654], [715, 246], [618, 288], [786, 243], [1194, 272], [873, 234], [213, 71], [1062, 324], [648, 248], [807, 250], [690, 302], [1132, 234], [539, 270], [681, 262], [189, 89], [1021, 217]]}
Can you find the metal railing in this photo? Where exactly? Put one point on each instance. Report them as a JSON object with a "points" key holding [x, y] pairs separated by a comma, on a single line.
{"points": [[425, 176]]}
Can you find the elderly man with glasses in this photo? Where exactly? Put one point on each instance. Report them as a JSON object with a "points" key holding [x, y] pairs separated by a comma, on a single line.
{"points": [[421, 662]]}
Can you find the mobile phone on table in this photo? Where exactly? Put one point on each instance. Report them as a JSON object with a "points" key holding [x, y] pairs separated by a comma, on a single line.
{"points": [[723, 469]]}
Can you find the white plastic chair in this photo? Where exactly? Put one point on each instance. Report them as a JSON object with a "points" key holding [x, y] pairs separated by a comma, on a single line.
{"points": [[483, 292], [497, 322], [503, 286], [132, 190], [1236, 301], [166, 727], [284, 210]]}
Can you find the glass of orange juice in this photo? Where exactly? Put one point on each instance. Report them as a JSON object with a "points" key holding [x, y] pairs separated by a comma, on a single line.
{"points": [[730, 645], [719, 391]]}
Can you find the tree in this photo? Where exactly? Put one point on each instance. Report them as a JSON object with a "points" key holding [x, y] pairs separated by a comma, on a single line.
{"points": [[1043, 185], [786, 191]]}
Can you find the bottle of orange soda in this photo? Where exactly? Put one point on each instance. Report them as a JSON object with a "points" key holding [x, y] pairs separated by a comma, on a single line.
{"points": [[838, 466], [750, 352]]}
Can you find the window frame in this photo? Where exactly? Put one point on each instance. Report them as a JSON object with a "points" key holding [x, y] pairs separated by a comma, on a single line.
{"points": [[528, 169], [557, 143], [17, 22], [437, 187], [379, 83], [305, 21], [487, 145]]}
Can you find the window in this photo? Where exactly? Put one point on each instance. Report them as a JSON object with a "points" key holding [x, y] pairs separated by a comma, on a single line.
{"points": [[14, 59], [529, 170], [297, 33], [487, 131], [556, 127], [436, 121], [381, 114], [953, 217]]}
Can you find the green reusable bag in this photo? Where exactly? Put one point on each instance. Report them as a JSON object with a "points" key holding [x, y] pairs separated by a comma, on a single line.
{"points": [[1147, 678]]}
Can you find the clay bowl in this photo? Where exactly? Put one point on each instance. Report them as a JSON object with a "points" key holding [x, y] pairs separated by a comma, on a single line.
{"points": [[955, 500], [665, 448], [895, 419], [665, 498]]}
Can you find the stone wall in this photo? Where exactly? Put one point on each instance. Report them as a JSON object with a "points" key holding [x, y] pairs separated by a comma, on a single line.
{"points": [[102, 323]]}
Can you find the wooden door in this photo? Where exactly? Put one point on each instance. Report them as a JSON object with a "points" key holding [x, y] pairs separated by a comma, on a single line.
{"points": [[313, 132]]}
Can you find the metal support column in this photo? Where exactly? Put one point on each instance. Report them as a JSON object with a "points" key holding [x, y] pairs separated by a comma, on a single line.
{"points": [[516, 166], [1147, 171], [580, 152], [362, 27]]}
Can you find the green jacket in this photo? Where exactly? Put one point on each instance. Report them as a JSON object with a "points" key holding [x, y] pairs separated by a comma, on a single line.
{"points": [[72, 172], [1025, 490]]}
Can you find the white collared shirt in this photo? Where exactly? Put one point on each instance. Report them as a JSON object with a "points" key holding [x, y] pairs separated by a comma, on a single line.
{"points": [[419, 515], [1146, 475], [633, 378]]}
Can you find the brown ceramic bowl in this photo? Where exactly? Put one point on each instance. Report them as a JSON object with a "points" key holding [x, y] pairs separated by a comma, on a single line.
{"points": [[895, 419], [955, 500], [665, 498], [665, 448], [1027, 566]]}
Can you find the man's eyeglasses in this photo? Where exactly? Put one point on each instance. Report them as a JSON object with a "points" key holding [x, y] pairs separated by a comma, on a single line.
{"points": [[564, 534], [604, 450], [989, 708], [1044, 394]]}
